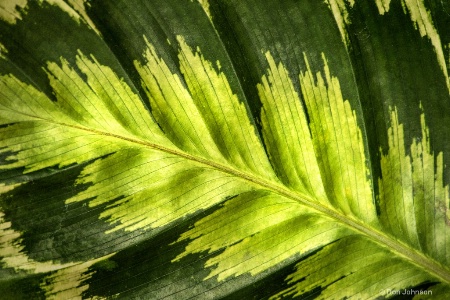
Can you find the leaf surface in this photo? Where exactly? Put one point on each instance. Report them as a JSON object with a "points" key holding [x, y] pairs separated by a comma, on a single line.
{"points": [[224, 149]]}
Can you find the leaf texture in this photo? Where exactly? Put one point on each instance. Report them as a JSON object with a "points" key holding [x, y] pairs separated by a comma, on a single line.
{"points": [[224, 149]]}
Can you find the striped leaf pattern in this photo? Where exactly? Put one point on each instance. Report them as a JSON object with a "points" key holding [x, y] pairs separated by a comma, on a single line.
{"points": [[224, 149]]}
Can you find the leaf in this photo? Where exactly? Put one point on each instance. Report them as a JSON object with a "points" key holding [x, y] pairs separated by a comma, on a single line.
{"points": [[224, 149]]}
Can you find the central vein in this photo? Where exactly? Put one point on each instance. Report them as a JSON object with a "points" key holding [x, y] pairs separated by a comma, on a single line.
{"points": [[380, 238]]}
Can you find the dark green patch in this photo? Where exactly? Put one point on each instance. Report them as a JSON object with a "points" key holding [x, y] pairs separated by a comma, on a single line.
{"points": [[395, 67], [5, 159], [272, 284], [22, 289], [144, 269], [53, 230], [288, 29], [47, 34], [160, 22]]}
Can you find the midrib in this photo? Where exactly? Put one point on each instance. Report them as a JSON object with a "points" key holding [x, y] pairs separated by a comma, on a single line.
{"points": [[380, 238]]}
